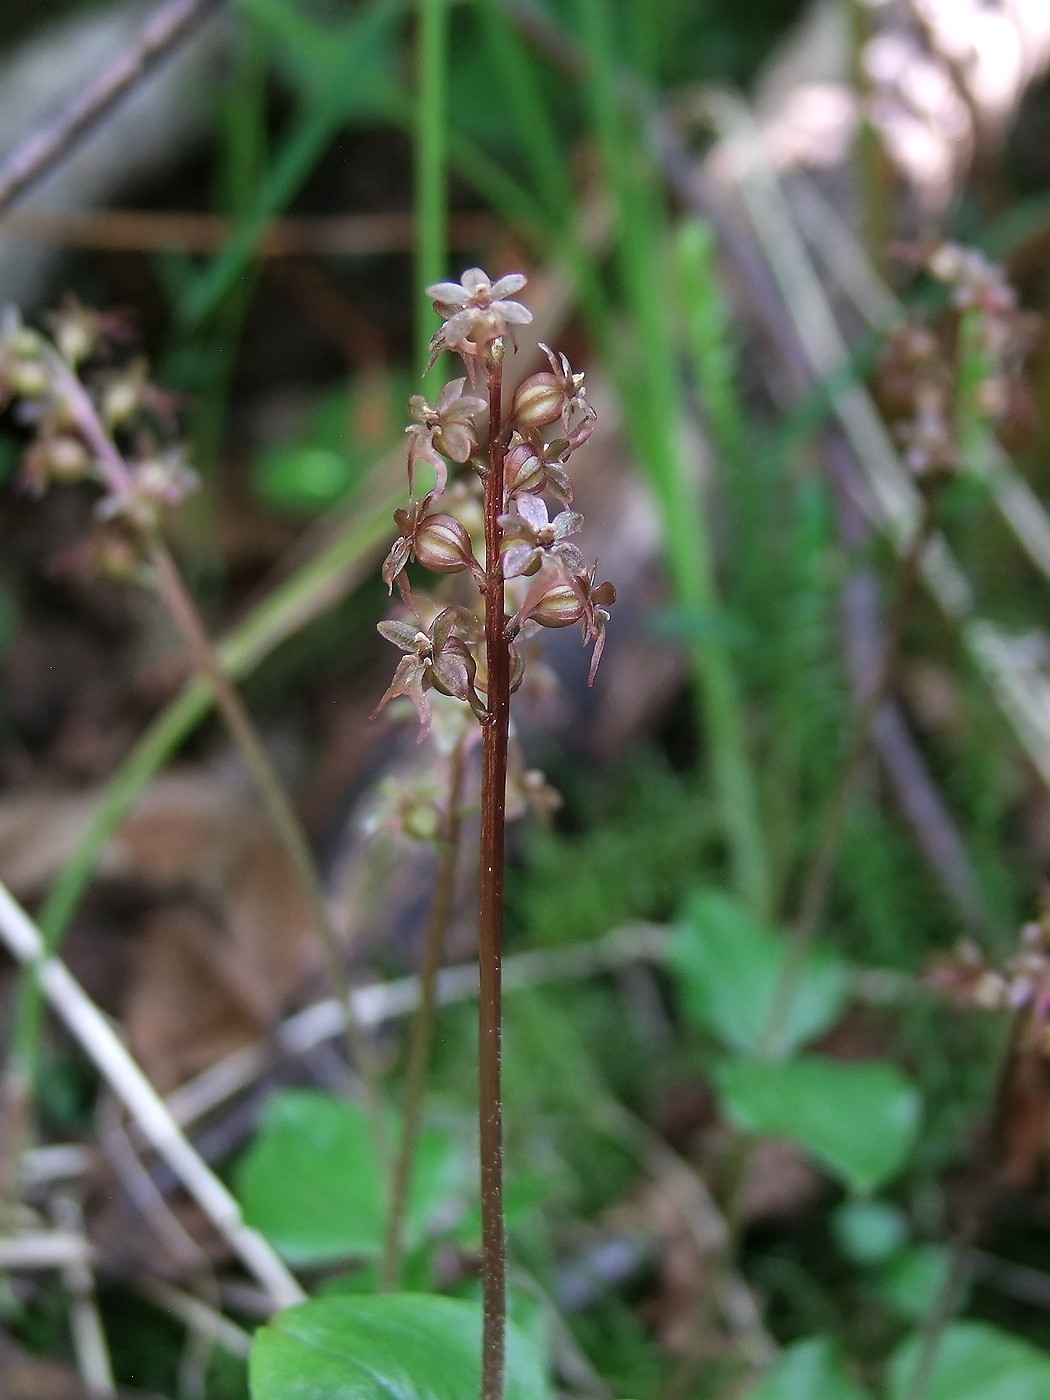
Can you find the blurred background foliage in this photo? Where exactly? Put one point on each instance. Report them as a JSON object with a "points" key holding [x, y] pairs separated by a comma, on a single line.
{"points": [[584, 145]]}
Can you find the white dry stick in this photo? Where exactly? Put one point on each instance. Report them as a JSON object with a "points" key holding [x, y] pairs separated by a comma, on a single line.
{"points": [[100, 1042], [44, 1249], [197, 1316], [387, 1001], [85, 1321]]}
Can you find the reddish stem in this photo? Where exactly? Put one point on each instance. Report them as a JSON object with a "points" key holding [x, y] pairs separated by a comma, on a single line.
{"points": [[495, 725]]}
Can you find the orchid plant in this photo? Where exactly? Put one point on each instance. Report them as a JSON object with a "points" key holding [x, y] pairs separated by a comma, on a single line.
{"points": [[525, 574]]}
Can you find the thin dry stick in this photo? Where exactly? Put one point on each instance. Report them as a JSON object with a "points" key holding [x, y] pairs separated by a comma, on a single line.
{"points": [[423, 1022], [494, 738], [42, 150], [89, 1338], [96, 1036], [142, 230], [279, 809]]}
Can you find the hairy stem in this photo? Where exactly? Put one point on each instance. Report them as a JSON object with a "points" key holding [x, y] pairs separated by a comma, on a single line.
{"points": [[495, 726], [423, 1024]]}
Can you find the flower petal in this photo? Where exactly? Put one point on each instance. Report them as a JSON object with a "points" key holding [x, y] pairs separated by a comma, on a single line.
{"points": [[475, 281], [533, 510], [512, 312], [507, 285], [402, 634], [448, 294]]}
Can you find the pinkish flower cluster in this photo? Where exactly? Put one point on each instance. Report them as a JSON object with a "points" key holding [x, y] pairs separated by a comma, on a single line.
{"points": [[547, 579], [75, 414], [942, 377], [1020, 985]]}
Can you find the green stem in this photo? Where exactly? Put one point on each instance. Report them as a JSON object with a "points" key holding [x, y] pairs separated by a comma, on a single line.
{"points": [[431, 174], [423, 1023], [655, 415]]}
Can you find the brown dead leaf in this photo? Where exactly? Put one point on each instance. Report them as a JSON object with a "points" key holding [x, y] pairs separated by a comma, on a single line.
{"points": [[219, 962]]}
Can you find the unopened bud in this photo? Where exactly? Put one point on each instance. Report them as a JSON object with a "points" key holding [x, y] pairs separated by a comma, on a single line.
{"points": [[67, 458], [421, 821], [559, 607], [443, 545], [29, 379], [538, 402], [523, 470], [121, 399]]}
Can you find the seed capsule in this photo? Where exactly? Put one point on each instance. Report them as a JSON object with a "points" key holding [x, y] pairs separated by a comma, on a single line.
{"points": [[538, 402], [523, 470], [559, 607], [443, 545]]}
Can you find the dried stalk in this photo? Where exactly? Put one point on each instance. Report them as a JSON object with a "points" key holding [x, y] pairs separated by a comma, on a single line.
{"points": [[145, 231], [423, 1022], [285, 823], [494, 738], [44, 148], [89, 1338], [90, 1028]]}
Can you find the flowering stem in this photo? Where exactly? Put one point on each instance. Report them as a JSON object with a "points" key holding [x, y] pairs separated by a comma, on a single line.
{"points": [[423, 1023], [494, 735]]}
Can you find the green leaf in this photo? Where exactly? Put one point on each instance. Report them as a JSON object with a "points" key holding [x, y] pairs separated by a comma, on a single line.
{"points": [[911, 1283], [809, 1370], [859, 1120], [869, 1232], [311, 1183], [396, 1346], [974, 1361], [729, 968], [302, 478]]}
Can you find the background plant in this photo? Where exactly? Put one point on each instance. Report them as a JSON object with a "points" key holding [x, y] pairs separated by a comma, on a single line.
{"points": [[738, 363]]}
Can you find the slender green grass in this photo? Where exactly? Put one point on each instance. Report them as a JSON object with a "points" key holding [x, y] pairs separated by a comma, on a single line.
{"points": [[355, 82], [655, 413], [430, 175]]}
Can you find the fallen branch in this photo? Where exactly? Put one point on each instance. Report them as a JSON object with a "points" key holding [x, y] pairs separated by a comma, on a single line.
{"points": [[41, 151], [98, 1039], [146, 231]]}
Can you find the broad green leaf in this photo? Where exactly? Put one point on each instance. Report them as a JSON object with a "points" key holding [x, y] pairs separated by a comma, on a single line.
{"points": [[910, 1283], [869, 1232], [809, 1370], [974, 1361], [311, 1183], [729, 968], [859, 1120], [395, 1346], [305, 478]]}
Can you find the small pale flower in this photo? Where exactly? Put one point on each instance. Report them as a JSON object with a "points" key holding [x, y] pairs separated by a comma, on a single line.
{"points": [[446, 430], [476, 312], [539, 538], [434, 658], [158, 482]]}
